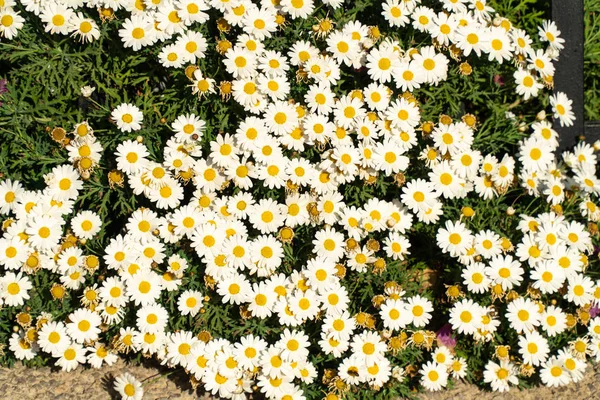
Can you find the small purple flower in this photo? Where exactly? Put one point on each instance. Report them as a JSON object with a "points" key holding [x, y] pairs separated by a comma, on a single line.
{"points": [[594, 310], [445, 337], [499, 80], [3, 88]]}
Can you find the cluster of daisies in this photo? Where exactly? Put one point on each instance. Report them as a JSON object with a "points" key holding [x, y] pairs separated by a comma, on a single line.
{"points": [[306, 150], [33, 239]]}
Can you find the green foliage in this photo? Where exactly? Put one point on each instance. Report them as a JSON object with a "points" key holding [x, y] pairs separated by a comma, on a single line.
{"points": [[592, 59]]}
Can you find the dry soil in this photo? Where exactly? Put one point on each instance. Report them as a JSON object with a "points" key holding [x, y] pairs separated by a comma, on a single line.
{"points": [[21, 383]]}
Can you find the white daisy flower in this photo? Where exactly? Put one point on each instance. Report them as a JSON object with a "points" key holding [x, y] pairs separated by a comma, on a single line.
{"points": [[128, 387]]}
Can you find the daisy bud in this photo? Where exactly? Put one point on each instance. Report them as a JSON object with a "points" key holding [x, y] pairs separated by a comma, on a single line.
{"points": [[223, 25], [552, 53], [139, 139], [510, 211], [465, 69], [280, 19], [512, 295], [115, 177], [361, 318], [209, 281], [186, 175], [328, 375], [527, 370], [245, 313], [371, 321], [31, 335], [373, 244], [86, 91], [223, 46], [84, 164], [71, 239], [91, 263], [324, 27], [58, 134], [455, 52], [541, 115], [584, 315], [506, 244], [23, 319], [470, 120], [396, 343], [351, 244], [106, 14], [286, 234], [453, 292], [502, 352], [379, 265], [411, 370], [377, 301], [57, 291], [205, 336], [467, 212], [427, 127], [497, 290], [445, 119]]}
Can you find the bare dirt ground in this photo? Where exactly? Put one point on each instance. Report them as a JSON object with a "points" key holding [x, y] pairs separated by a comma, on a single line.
{"points": [[20, 383]]}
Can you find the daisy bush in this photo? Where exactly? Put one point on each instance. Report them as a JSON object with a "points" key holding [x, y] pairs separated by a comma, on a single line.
{"points": [[304, 199]]}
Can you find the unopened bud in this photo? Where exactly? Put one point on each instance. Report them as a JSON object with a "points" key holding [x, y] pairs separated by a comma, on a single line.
{"points": [[541, 115], [467, 212]]}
